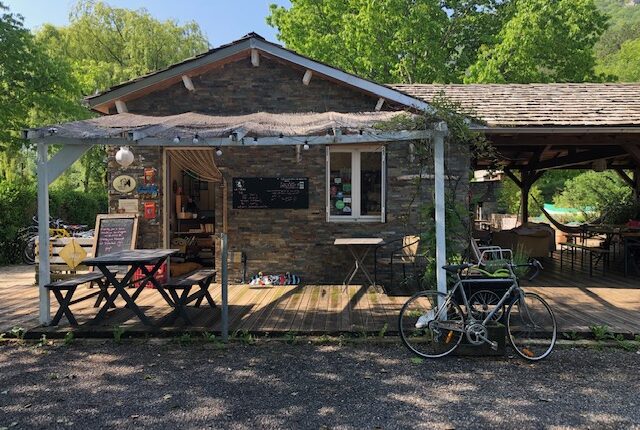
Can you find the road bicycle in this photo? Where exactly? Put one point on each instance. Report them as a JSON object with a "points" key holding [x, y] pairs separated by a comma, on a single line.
{"points": [[433, 324]]}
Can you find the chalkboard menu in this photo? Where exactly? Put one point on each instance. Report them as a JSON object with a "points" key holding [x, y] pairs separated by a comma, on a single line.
{"points": [[270, 193], [115, 233]]}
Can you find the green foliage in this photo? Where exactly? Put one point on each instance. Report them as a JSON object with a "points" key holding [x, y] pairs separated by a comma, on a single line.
{"points": [[604, 193], [543, 41], [185, 339], [393, 40], [619, 47], [118, 332], [69, 338], [18, 203], [552, 181], [509, 198], [601, 332], [17, 332]]}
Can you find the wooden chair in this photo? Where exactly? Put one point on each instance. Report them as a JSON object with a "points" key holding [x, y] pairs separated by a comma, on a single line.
{"points": [[403, 252]]}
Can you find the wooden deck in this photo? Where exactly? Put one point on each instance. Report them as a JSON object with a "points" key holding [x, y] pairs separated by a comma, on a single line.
{"points": [[578, 300]]}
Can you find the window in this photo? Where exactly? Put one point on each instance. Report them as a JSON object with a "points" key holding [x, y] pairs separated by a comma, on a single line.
{"points": [[356, 184]]}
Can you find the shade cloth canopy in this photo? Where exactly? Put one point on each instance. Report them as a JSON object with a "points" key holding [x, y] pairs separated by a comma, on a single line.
{"points": [[189, 124]]}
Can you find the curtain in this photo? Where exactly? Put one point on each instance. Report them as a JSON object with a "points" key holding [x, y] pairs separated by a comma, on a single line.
{"points": [[200, 161]]}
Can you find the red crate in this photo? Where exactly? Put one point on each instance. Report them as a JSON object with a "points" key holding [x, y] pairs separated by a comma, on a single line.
{"points": [[161, 275]]}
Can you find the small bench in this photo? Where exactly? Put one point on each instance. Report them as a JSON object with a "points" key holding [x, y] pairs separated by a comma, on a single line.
{"points": [[601, 254], [70, 285], [202, 278]]}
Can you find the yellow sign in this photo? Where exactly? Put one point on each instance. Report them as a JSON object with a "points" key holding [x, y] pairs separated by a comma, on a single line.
{"points": [[73, 254]]}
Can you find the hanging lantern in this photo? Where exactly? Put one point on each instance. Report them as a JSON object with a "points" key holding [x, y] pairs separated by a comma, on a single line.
{"points": [[124, 156], [599, 165]]}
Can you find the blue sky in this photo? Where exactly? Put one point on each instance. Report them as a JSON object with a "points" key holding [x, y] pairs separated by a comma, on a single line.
{"points": [[221, 20]]}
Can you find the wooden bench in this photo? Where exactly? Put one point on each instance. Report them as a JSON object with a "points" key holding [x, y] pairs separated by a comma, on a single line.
{"points": [[70, 286], [59, 269], [602, 254], [201, 278]]}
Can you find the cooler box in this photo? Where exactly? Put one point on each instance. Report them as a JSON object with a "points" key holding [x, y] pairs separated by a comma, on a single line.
{"points": [[162, 275]]}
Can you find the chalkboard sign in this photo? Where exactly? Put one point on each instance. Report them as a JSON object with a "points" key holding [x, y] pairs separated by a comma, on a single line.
{"points": [[115, 233], [270, 193]]}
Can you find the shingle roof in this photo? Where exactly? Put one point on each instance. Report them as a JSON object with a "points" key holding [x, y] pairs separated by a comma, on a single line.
{"points": [[511, 105]]}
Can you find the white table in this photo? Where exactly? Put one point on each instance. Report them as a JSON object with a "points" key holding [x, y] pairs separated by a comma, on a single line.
{"points": [[358, 242]]}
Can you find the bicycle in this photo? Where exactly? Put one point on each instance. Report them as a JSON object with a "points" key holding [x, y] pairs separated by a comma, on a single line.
{"points": [[433, 324], [57, 229]]}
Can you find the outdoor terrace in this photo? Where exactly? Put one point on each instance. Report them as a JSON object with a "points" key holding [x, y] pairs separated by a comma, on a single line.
{"points": [[578, 300]]}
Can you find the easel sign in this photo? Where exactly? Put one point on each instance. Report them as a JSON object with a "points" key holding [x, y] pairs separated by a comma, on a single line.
{"points": [[115, 232]]}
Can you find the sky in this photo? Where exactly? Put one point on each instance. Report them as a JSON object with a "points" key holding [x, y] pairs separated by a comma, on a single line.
{"points": [[221, 20]]}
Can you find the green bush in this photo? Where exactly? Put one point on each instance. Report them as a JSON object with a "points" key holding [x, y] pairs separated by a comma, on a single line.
{"points": [[18, 204]]}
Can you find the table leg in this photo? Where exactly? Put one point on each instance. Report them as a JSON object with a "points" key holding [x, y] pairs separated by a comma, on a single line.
{"points": [[120, 289], [359, 264]]}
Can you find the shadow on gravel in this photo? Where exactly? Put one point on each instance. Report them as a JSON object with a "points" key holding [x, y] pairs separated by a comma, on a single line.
{"points": [[274, 385]]}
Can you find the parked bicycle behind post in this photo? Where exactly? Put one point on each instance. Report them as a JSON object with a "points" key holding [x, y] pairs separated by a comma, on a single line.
{"points": [[433, 324], [57, 228]]}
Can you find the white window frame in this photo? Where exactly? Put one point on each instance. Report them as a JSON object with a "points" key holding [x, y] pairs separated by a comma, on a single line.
{"points": [[355, 152]]}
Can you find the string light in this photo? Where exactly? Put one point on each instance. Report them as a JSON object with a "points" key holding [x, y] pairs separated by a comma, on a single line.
{"points": [[176, 139], [195, 138], [219, 152], [280, 138], [306, 145]]}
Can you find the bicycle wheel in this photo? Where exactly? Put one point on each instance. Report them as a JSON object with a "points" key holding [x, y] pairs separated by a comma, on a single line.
{"points": [[531, 326], [482, 303], [29, 251], [425, 329]]}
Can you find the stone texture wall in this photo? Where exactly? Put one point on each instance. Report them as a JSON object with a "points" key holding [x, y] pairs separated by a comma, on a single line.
{"points": [[301, 240], [149, 230], [239, 88]]}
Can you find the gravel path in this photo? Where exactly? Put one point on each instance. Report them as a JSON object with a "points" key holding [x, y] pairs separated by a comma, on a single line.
{"points": [[275, 385]]}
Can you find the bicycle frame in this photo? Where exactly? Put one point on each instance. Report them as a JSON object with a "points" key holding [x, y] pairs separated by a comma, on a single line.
{"points": [[468, 318]]}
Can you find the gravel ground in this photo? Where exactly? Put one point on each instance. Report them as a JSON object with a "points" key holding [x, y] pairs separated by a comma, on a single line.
{"points": [[275, 385]]}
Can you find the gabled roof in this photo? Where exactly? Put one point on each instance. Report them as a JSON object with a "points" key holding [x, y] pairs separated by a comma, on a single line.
{"points": [[540, 105], [245, 45]]}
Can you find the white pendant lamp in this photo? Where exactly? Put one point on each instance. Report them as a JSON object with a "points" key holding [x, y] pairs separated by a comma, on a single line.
{"points": [[124, 156]]}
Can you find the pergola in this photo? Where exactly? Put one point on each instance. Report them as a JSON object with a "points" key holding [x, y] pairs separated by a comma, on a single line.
{"points": [[193, 130], [540, 127]]}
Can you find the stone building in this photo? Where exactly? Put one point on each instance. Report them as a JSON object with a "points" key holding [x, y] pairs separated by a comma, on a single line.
{"points": [[276, 120]]}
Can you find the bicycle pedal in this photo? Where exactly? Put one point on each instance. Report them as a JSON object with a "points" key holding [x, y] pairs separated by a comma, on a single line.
{"points": [[494, 345]]}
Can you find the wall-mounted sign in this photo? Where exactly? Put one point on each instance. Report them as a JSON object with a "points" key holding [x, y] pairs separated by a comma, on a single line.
{"points": [[149, 175], [128, 206], [270, 193], [149, 210], [148, 191], [124, 184]]}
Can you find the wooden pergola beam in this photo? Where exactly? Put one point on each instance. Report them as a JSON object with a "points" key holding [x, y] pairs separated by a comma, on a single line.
{"points": [[579, 158], [625, 177]]}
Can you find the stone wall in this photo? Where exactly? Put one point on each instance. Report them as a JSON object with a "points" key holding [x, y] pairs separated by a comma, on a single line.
{"points": [[301, 240], [239, 88], [149, 230]]}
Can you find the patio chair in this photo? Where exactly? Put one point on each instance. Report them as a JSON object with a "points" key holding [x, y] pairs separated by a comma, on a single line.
{"points": [[401, 252]]}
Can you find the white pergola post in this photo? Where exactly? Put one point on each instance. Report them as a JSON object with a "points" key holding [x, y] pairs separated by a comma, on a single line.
{"points": [[441, 131], [48, 171], [44, 274]]}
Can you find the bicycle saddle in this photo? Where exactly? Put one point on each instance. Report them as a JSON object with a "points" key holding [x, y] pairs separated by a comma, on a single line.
{"points": [[455, 268]]}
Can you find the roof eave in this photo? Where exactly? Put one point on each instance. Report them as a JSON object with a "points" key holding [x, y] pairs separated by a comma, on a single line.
{"points": [[380, 90]]}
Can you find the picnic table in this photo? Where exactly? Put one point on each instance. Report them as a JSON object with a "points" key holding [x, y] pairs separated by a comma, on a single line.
{"points": [[352, 243], [147, 261]]}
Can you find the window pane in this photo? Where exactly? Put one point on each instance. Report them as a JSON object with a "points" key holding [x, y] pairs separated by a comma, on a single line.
{"points": [[340, 197], [371, 183]]}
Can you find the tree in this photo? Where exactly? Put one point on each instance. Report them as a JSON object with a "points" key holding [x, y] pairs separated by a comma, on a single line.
{"points": [[393, 40], [543, 41], [32, 84], [104, 46], [601, 193], [509, 199], [618, 48]]}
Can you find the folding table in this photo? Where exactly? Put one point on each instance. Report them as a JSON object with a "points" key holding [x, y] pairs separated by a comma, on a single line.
{"points": [[366, 243]]}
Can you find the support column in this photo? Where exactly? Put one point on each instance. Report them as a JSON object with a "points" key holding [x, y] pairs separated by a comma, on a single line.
{"points": [[441, 131], [43, 234]]}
